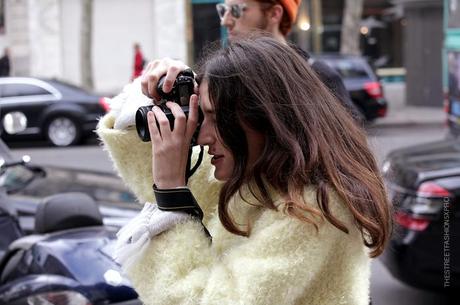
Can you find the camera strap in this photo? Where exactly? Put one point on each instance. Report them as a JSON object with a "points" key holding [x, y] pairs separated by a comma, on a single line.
{"points": [[191, 170]]}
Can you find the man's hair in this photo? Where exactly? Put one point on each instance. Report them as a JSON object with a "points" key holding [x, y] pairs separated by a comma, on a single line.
{"points": [[310, 139], [290, 8]]}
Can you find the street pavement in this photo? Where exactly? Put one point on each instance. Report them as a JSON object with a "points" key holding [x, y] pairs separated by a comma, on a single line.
{"points": [[402, 115]]}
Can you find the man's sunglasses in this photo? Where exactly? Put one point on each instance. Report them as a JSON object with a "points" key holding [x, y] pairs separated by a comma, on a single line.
{"points": [[236, 10]]}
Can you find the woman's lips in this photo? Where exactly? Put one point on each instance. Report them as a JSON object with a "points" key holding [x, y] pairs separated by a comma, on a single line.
{"points": [[217, 158]]}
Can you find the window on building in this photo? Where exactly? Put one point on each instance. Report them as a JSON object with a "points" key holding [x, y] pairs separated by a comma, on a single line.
{"points": [[2, 16], [206, 25], [454, 14], [332, 25]]}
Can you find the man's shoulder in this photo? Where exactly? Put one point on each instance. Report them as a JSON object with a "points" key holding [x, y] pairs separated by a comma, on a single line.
{"points": [[332, 79], [300, 51], [319, 66]]}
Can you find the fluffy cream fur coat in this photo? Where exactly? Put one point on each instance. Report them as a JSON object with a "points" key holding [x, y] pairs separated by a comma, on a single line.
{"points": [[284, 261]]}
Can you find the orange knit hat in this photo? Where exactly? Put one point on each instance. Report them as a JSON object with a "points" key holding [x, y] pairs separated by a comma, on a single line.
{"points": [[291, 7]]}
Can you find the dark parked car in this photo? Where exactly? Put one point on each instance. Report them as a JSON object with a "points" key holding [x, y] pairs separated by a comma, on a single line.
{"points": [[361, 82], [49, 109], [424, 186]]}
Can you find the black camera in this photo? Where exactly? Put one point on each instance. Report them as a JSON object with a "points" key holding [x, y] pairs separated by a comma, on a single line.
{"points": [[180, 94]]}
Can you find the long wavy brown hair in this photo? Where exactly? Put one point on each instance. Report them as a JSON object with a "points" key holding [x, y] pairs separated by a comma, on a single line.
{"points": [[310, 139]]}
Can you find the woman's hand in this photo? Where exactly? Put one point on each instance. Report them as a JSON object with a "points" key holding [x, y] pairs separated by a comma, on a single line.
{"points": [[170, 147], [155, 70]]}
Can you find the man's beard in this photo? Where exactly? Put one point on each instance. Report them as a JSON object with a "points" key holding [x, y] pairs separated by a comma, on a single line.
{"points": [[261, 26]]}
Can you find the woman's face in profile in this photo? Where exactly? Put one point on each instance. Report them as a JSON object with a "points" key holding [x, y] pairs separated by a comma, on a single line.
{"points": [[222, 158]]}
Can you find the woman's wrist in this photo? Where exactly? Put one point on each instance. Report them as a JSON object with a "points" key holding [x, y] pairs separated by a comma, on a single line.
{"points": [[170, 184], [177, 199]]}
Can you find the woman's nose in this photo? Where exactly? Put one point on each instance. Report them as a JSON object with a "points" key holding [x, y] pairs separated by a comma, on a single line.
{"points": [[205, 135]]}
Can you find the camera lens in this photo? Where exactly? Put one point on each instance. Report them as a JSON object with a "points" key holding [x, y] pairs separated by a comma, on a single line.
{"points": [[180, 94], [142, 124]]}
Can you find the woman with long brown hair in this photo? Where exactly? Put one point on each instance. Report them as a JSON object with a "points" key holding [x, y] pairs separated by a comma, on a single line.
{"points": [[300, 209]]}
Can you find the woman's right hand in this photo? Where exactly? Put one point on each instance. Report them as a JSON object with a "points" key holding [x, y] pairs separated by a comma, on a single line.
{"points": [[142, 91], [155, 70], [170, 147]]}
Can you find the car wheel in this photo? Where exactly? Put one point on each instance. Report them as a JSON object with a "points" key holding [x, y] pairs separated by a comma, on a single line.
{"points": [[62, 131]]}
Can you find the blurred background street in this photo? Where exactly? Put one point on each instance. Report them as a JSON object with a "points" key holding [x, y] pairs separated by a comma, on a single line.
{"points": [[399, 61], [383, 138]]}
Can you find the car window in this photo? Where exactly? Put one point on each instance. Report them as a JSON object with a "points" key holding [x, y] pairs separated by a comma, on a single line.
{"points": [[349, 68], [12, 90]]}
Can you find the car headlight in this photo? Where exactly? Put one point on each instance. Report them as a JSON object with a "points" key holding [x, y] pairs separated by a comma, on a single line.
{"points": [[64, 297]]}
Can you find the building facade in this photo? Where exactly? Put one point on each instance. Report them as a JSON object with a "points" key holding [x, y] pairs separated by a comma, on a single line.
{"points": [[422, 49], [45, 36]]}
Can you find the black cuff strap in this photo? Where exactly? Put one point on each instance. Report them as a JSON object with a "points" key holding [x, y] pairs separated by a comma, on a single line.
{"points": [[179, 200]]}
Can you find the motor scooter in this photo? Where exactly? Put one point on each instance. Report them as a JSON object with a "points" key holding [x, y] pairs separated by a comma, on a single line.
{"points": [[67, 258]]}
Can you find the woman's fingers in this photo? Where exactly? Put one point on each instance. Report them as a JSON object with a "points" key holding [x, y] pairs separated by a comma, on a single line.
{"points": [[152, 81], [169, 148], [171, 74], [155, 70], [163, 122], [150, 78], [192, 120], [183, 128], [154, 132], [179, 118]]}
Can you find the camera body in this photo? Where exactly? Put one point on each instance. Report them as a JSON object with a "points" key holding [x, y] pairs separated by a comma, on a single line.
{"points": [[181, 92]]}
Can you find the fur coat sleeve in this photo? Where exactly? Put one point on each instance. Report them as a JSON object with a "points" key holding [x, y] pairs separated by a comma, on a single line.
{"points": [[284, 261]]}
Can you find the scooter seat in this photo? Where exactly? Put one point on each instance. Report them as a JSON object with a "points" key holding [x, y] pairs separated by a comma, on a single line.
{"points": [[66, 211]]}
